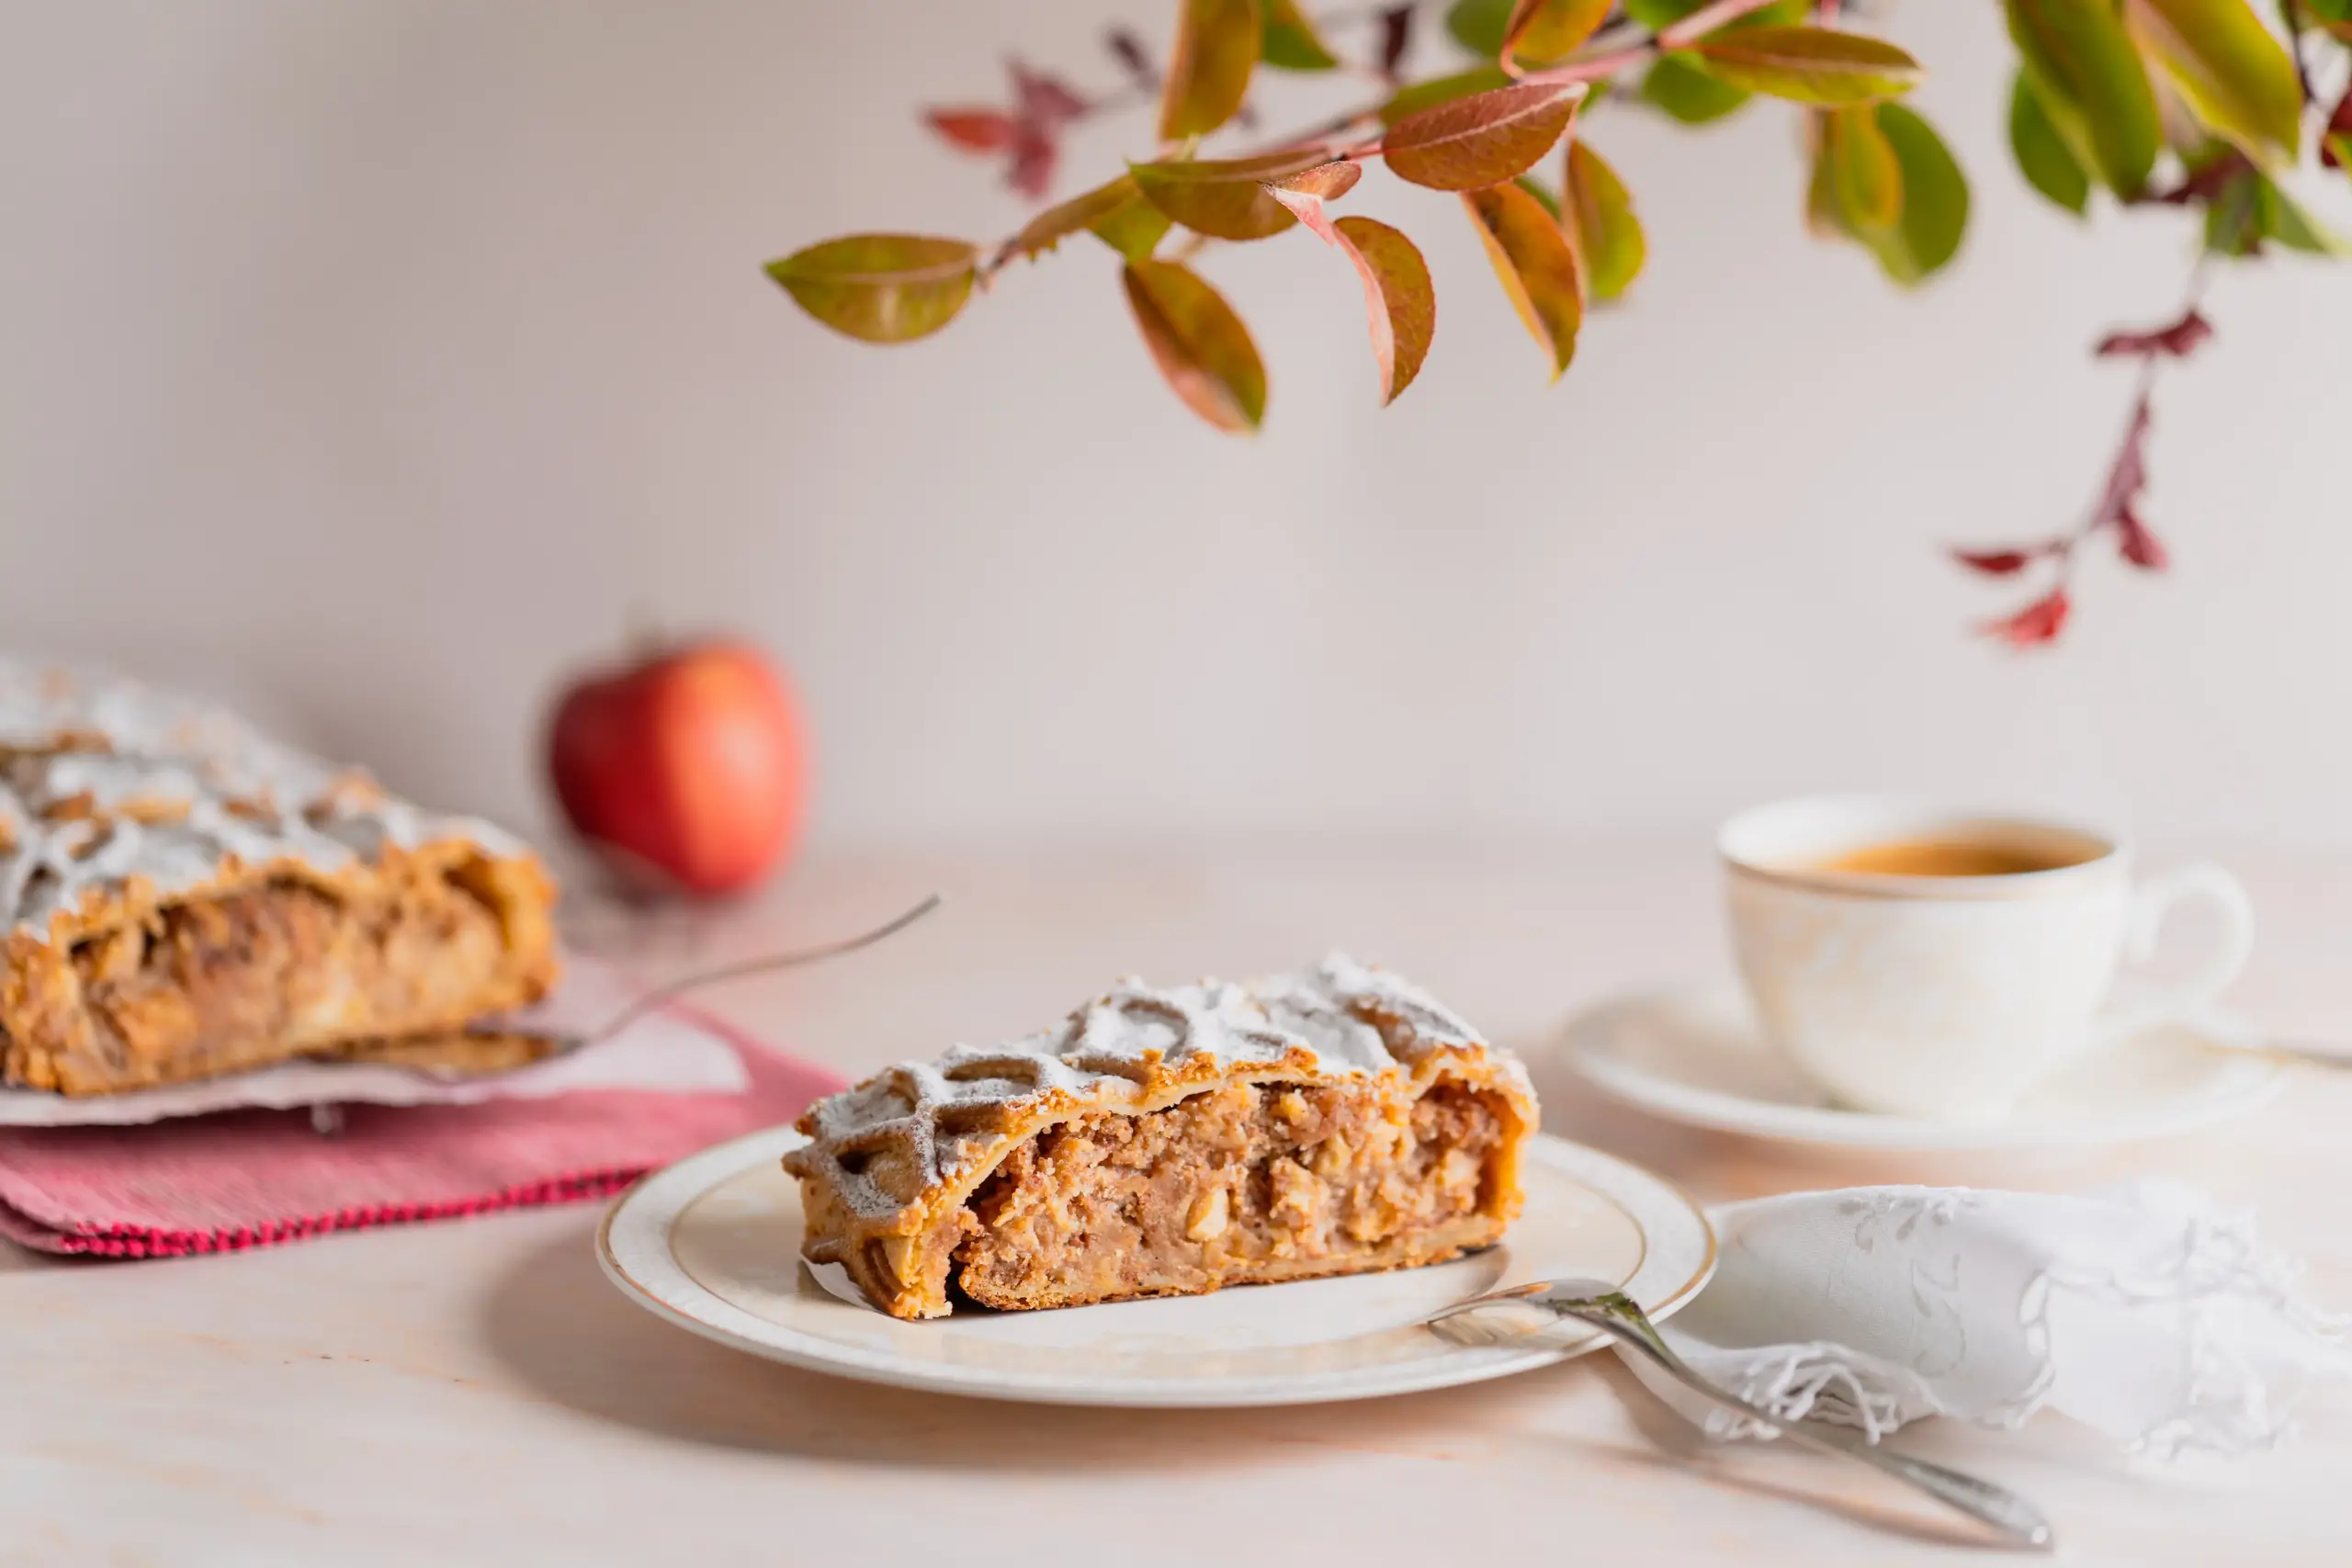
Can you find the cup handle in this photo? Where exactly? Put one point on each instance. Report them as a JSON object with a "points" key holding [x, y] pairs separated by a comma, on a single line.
{"points": [[2154, 900]]}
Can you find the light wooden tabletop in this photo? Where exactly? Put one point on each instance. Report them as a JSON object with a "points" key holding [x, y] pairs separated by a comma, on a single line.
{"points": [[475, 1392]]}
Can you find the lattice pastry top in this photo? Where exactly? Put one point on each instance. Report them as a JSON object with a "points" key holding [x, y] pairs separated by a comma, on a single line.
{"points": [[114, 791], [892, 1158]]}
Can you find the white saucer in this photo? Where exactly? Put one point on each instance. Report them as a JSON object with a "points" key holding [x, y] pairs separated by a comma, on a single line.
{"points": [[713, 1244], [1693, 1053]]}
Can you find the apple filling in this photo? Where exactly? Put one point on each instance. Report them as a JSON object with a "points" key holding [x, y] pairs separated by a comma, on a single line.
{"points": [[1247, 1184], [213, 985]]}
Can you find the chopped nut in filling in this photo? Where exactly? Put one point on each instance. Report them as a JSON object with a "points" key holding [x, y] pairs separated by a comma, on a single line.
{"points": [[1249, 1183]]}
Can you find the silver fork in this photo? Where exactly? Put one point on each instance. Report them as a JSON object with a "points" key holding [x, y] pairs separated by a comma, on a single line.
{"points": [[1601, 1305], [563, 1044]]}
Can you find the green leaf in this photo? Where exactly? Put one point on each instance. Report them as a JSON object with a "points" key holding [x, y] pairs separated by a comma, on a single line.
{"points": [[1479, 25], [1659, 14], [1924, 232], [1543, 31], [2234, 215], [1226, 197], [2041, 153], [1399, 302], [1134, 228], [1536, 266], [1685, 90], [2282, 220], [1935, 199], [1611, 246], [881, 288], [1483, 139], [2236, 75], [1865, 178], [1809, 65], [1290, 42], [1208, 74], [1438, 90], [1116, 212], [2092, 85], [1199, 343]]}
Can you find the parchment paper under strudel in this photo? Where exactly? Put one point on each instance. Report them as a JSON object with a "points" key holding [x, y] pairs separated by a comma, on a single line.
{"points": [[183, 897], [1170, 1143]]}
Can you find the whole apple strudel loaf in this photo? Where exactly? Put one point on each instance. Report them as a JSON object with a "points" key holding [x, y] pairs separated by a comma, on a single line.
{"points": [[183, 897], [1172, 1141]]}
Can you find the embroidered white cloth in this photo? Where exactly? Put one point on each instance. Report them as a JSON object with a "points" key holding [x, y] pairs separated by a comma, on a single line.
{"points": [[2143, 1313]]}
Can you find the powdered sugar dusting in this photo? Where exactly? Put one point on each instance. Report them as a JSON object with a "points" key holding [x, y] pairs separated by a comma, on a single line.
{"points": [[928, 1119], [105, 781]]}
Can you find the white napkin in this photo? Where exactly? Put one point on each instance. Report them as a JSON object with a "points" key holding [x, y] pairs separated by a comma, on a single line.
{"points": [[2144, 1314], [662, 1052]]}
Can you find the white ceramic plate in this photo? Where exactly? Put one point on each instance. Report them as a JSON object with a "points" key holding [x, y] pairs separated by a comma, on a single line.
{"points": [[713, 1243], [1693, 1053]]}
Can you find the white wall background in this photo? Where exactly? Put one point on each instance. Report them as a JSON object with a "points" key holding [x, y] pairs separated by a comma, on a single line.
{"points": [[368, 358]]}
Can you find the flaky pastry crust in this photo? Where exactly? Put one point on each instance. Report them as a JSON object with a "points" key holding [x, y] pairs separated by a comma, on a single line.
{"points": [[890, 1176]]}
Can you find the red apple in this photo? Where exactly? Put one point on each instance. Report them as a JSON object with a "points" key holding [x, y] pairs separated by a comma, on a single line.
{"points": [[690, 763]]}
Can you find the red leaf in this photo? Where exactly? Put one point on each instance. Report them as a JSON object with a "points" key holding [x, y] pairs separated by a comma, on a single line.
{"points": [[1994, 563], [1034, 154], [2178, 339], [1044, 98], [2035, 626], [2137, 545], [1395, 36], [2339, 129], [975, 131]]}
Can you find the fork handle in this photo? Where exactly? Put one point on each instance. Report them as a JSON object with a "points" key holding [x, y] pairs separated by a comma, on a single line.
{"points": [[1980, 1500]]}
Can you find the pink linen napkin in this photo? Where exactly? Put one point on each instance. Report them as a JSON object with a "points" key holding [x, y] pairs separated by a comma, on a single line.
{"points": [[225, 1182]]}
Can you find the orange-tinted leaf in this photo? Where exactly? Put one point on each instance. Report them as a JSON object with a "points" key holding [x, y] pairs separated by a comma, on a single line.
{"points": [[880, 287], [975, 131], [1116, 211], [1611, 246], [1226, 198], [1483, 139], [1811, 66], [1199, 343], [1217, 45], [1398, 300], [1304, 193], [1327, 181], [1438, 90], [1537, 267], [1541, 31]]}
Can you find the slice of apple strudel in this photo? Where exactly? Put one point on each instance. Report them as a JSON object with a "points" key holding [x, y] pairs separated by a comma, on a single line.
{"points": [[1172, 1141], [182, 897]]}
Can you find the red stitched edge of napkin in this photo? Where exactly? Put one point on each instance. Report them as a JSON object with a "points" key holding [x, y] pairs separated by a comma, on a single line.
{"points": [[124, 1242], [123, 1192]]}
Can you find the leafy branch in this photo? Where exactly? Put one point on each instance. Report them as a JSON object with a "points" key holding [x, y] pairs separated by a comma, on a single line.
{"points": [[2159, 103]]}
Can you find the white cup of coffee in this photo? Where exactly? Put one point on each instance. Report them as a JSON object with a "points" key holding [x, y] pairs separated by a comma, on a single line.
{"points": [[1937, 964]]}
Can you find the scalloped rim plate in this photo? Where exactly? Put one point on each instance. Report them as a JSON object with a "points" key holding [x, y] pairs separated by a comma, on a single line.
{"points": [[713, 1243]]}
